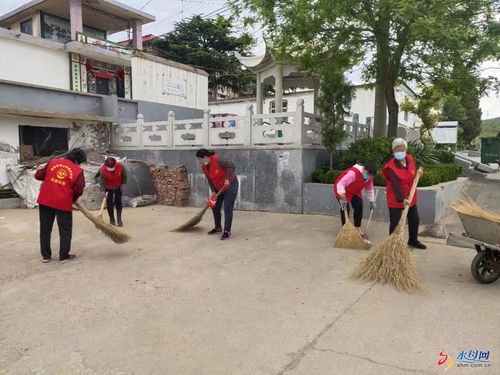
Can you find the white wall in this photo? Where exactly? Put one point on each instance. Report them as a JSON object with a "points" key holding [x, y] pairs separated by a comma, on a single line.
{"points": [[37, 65], [363, 104], [147, 84]]}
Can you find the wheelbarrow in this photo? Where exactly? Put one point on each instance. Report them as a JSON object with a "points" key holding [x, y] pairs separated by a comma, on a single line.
{"points": [[484, 236]]}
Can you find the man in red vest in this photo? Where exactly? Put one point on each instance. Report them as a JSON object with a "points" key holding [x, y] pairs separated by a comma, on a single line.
{"points": [[399, 174], [347, 188], [112, 178], [221, 177], [63, 184]]}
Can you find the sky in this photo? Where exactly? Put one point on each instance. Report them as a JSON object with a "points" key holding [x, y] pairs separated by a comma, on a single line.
{"points": [[168, 12]]}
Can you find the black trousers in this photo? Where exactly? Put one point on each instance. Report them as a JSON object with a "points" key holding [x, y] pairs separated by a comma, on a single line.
{"points": [[65, 224], [357, 205], [413, 221], [114, 200], [228, 198]]}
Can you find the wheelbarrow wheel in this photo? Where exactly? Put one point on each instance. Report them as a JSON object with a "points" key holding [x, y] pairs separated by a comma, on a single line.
{"points": [[484, 268]]}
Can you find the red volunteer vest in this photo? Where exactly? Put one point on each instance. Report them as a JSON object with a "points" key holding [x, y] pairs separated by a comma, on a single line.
{"points": [[113, 179], [405, 175], [215, 173], [57, 187], [354, 189]]}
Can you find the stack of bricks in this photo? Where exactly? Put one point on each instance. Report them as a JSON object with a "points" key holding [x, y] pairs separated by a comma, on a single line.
{"points": [[171, 185]]}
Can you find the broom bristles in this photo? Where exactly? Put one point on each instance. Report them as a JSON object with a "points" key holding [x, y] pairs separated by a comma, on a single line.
{"points": [[191, 222], [109, 230], [469, 207], [349, 237], [390, 262]]}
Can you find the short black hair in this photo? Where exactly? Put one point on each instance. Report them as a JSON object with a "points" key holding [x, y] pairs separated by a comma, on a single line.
{"points": [[76, 155], [371, 167], [203, 153]]}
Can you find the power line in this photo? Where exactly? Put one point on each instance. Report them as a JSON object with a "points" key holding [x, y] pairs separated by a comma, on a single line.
{"points": [[144, 6], [223, 9]]}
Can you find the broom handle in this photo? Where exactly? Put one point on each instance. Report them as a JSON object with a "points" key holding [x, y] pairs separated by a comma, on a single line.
{"points": [[103, 203], [218, 193], [402, 221], [371, 213]]}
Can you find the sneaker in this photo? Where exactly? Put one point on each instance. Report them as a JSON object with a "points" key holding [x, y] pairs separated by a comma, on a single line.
{"points": [[70, 257], [417, 245], [215, 231], [46, 260], [226, 236]]}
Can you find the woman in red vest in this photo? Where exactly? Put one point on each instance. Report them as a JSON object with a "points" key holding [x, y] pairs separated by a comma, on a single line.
{"points": [[399, 174], [112, 178], [347, 188], [221, 177], [63, 184]]}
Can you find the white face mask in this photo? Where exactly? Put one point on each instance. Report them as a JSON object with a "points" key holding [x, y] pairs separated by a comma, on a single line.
{"points": [[206, 162], [110, 169]]}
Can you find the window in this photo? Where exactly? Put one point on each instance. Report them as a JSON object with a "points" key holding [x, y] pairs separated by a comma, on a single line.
{"points": [[272, 106], [46, 141], [59, 29], [27, 27], [102, 86]]}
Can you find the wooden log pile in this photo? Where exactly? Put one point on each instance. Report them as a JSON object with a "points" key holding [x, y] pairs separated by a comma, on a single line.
{"points": [[171, 185]]}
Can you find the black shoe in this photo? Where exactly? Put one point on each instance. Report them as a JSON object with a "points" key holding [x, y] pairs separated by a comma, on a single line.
{"points": [[215, 231], [120, 223], [417, 245], [226, 236], [112, 222]]}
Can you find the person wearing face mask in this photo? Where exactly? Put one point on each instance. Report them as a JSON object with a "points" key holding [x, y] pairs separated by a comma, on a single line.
{"points": [[347, 188], [399, 174], [220, 175], [112, 178]]}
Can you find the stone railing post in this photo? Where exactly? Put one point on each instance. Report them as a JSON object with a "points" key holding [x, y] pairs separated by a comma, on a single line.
{"points": [[248, 141], [140, 126], [355, 121], [299, 122], [206, 128], [170, 128], [369, 130]]}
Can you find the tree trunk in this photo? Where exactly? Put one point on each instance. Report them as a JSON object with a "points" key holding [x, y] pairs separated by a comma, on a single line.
{"points": [[330, 154], [380, 112], [392, 108]]}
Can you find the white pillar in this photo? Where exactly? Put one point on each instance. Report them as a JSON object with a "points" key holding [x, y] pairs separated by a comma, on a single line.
{"points": [[248, 125], [137, 34], [278, 88], [170, 129], [75, 17], [316, 95], [259, 103], [206, 128]]}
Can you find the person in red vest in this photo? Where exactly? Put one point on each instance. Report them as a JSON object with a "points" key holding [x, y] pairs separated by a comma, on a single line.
{"points": [[112, 179], [63, 184], [399, 174], [347, 188], [221, 177]]}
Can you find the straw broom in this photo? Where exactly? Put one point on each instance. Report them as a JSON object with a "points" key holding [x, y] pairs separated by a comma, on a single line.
{"points": [[349, 237], [103, 204], [390, 261], [469, 207], [109, 230], [196, 219]]}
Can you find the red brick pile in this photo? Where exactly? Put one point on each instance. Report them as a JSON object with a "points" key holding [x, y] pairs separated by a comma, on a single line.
{"points": [[171, 185]]}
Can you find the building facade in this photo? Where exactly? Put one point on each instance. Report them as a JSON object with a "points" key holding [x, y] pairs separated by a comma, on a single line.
{"points": [[63, 84]]}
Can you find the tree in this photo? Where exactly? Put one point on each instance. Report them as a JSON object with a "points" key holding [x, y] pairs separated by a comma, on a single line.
{"points": [[209, 44], [391, 40], [334, 104]]}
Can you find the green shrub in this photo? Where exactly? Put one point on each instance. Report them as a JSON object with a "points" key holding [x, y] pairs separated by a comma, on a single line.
{"points": [[445, 157], [377, 150], [433, 175]]}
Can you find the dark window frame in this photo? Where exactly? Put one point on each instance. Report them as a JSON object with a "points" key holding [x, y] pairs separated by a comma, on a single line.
{"points": [[30, 20]]}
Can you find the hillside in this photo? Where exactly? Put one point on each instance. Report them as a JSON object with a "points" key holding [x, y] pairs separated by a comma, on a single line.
{"points": [[490, 127]]}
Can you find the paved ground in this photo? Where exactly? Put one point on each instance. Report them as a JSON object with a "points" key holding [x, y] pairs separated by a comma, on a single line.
{"points": [[275, 299]]}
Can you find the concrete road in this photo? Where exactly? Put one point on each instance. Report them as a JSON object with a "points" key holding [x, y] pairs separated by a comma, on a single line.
{"points": [[275, 299]]}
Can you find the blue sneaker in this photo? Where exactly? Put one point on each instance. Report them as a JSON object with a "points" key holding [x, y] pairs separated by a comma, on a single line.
{"points": [[226, 236], [215, 231]]}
